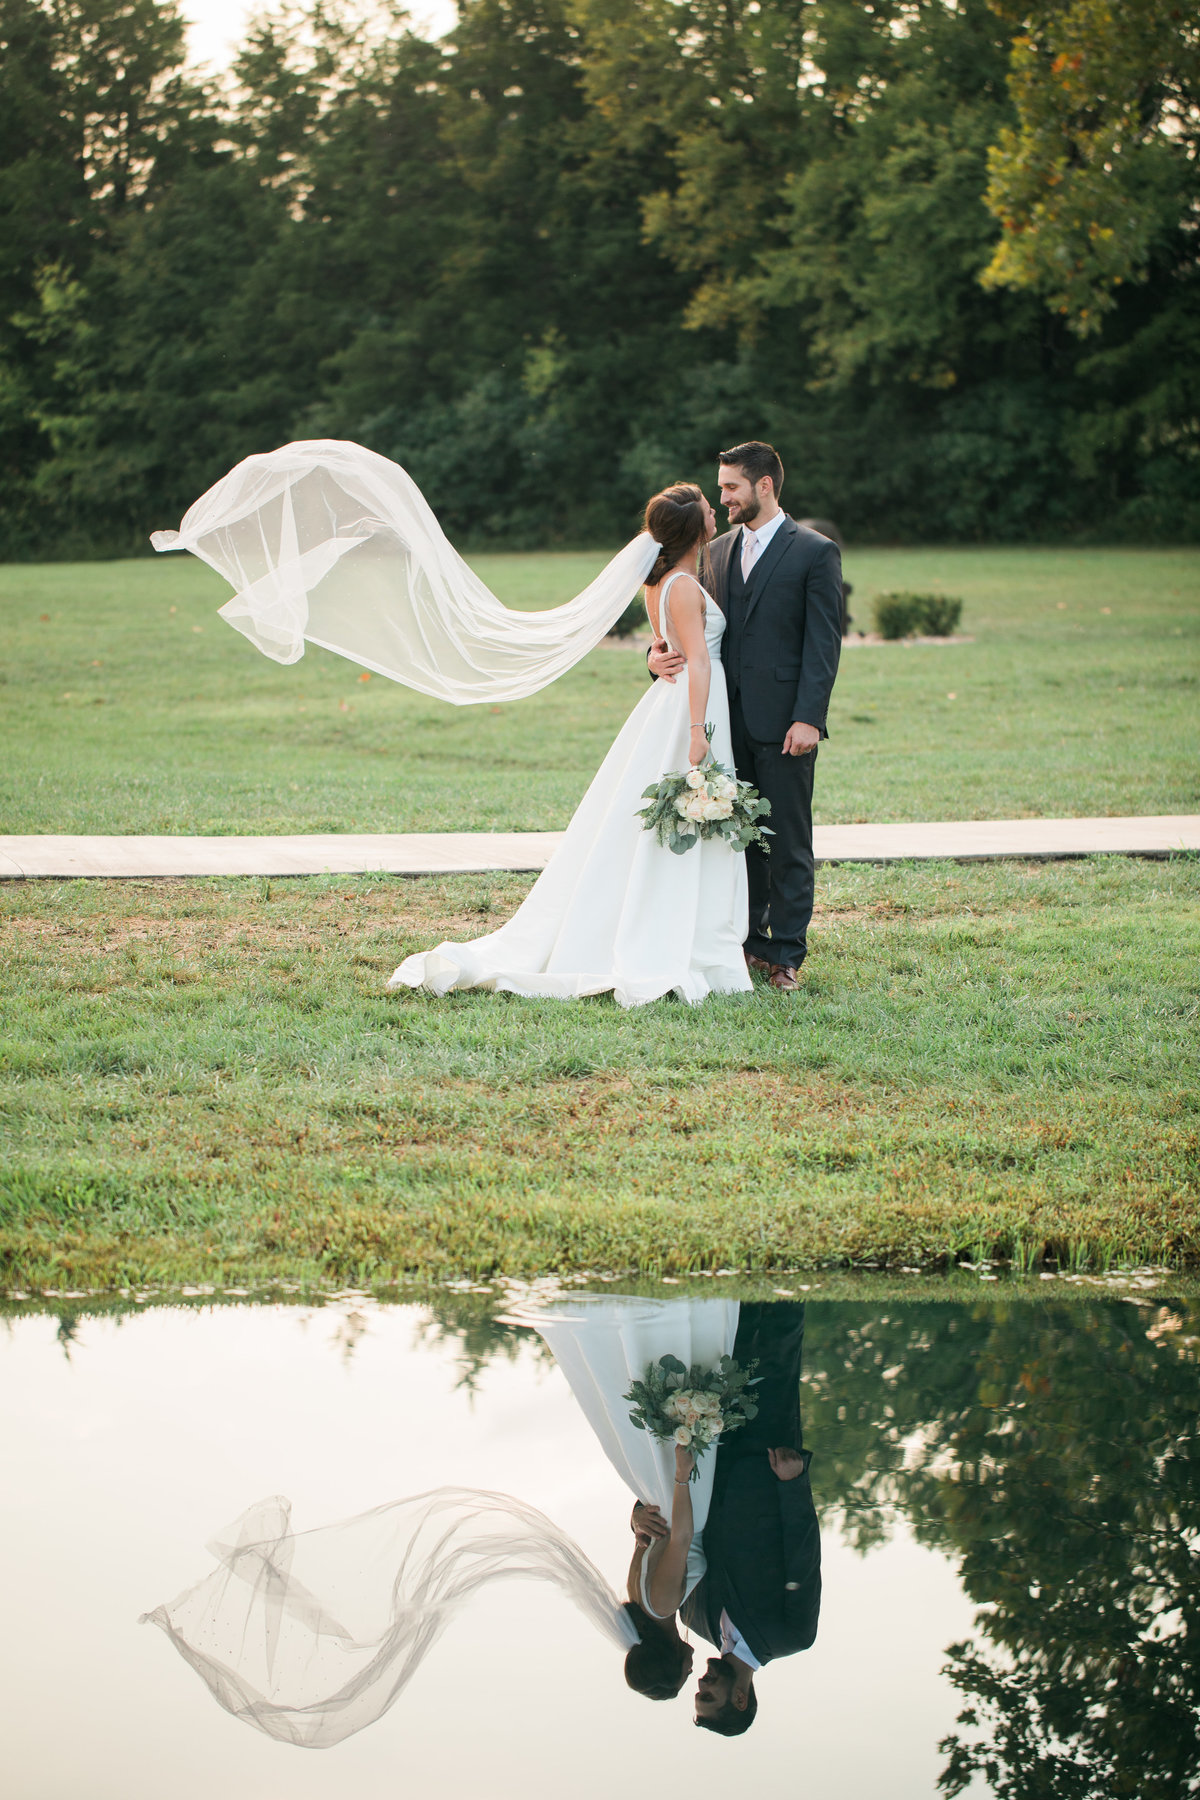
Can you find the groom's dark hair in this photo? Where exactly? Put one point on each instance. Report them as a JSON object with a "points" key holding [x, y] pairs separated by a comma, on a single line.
{"points": [[756, 460]]}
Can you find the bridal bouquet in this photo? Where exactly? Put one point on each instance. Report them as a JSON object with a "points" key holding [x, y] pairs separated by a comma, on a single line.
{"points": [[692, 1407], [705, 802]]}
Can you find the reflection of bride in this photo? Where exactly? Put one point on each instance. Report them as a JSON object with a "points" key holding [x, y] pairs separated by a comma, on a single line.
{"points": [[312, 1635], [601, 1345]]}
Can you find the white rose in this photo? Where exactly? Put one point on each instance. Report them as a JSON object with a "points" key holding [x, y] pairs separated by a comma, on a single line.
{"points": [[724, 789], [716, 1426], [683, 1436], [671, 1406], [717, 809], [694, 778], [695, 807]]}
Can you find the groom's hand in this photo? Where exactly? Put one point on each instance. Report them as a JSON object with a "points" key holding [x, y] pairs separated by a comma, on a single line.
{"points": [[647, 1522], [665, 662], [787, 1464], [800, 739]]}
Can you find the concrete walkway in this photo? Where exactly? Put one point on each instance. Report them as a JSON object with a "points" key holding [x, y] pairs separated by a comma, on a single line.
{"points": [[439, 853]]}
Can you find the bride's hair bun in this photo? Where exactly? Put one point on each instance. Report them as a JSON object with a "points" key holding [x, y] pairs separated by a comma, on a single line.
{"points": [[675, 520], [657, 1666]]}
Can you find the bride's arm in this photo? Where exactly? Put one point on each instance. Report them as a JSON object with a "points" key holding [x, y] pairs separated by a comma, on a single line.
{"points": [[686, 602], [668, 1577], [633, 1585]]}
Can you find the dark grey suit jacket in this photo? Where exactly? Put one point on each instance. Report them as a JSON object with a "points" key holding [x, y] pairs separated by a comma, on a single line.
{"points": [[783, 661], [762, 1543]]}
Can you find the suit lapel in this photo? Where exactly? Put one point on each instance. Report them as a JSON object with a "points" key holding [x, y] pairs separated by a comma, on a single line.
{"points": [[722, 561], [761, 574]]}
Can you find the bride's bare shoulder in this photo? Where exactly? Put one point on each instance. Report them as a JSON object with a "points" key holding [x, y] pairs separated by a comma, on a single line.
{"points": [[688, 587]]}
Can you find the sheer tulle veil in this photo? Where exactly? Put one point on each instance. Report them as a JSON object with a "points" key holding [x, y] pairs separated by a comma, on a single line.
{"points": [[312, 1635], [330, 543]]}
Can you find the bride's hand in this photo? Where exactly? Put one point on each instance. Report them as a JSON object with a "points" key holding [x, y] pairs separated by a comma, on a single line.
{"points": [[697, 746], [685, 1462]]}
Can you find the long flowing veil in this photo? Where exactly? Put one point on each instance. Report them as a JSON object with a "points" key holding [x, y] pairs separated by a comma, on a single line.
{"points": [[326, 541], [312, 1635]]}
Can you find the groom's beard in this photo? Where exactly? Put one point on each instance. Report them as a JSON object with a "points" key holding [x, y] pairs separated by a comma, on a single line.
{"points": [[744, 512]]}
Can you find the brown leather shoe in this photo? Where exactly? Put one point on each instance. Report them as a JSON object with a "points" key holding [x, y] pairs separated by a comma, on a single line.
{"points": [[757, 964], [783, 978]]}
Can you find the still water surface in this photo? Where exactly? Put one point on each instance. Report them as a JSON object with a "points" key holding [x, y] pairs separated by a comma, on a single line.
{"points": [[1007, 1496]]}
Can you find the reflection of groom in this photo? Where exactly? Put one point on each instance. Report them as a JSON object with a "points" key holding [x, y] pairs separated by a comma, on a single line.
{"points": [[779, 585], [761, 1593]]}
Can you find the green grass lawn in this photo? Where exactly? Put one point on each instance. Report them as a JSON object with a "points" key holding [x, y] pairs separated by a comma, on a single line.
{"points": [[207, 1081], [128, 706]]}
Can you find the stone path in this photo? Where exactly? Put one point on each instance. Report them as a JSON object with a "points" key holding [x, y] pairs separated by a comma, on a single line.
{"points": [[438, 853]]}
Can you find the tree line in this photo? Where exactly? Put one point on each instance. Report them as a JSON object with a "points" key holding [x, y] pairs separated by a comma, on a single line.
{"points": [[942, 253]]}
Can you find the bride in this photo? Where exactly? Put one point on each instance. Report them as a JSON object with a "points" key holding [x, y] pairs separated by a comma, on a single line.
{"points": [[327, 543], [614, 910]]}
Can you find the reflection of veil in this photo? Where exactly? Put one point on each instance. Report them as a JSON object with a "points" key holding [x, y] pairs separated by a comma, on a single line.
{"points": [[311, 1636], [326, 541]]}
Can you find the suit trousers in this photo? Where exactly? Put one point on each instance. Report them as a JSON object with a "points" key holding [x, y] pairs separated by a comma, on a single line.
{"points": [[781, 880]]}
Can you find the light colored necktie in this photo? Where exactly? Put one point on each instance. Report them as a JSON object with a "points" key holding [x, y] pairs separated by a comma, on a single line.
{"points": [[749, 553]]}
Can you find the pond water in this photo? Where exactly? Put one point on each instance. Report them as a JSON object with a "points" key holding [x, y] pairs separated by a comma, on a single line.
{"points": [[1004, 1497]]}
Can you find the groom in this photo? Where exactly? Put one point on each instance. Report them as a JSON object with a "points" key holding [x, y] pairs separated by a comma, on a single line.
{"points": [[779, 585], [760, 1595]]}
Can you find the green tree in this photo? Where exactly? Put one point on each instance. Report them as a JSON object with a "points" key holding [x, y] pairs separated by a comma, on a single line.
{"points": [[98, 119], [1100, 172]]}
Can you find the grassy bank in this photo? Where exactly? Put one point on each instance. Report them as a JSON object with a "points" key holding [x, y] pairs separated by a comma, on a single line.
{"points": [[205, 1081], [129, 706]]}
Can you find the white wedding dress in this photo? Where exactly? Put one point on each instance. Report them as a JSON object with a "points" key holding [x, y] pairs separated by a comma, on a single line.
{"points": [[614, 910], [602, 1345]]}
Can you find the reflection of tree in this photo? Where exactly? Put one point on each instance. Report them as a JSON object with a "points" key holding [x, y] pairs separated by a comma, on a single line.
{"points": [[1054, 1452], [468, 1323]]}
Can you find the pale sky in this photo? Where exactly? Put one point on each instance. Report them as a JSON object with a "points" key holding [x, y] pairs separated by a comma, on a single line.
{"points": [[215, 26]]}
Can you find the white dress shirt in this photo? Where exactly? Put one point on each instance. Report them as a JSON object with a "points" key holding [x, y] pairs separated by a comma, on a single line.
{"points": [[732, 1641], [755, 542]]}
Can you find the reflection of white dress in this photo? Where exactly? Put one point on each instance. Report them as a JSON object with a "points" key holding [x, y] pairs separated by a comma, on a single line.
{"points": [[602, 1345], [613, 909]]}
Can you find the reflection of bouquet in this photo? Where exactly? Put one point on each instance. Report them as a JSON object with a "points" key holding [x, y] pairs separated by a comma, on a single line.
{"points": [[702, 803], [692, 1407]]}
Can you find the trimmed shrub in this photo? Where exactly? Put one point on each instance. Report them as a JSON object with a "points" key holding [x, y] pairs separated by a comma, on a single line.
{"points": [[916, 615], [631, 620], [897, 615], [942, 615]]}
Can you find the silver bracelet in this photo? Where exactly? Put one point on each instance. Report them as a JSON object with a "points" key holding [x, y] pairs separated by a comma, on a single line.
{"points": [[700, 725]]}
